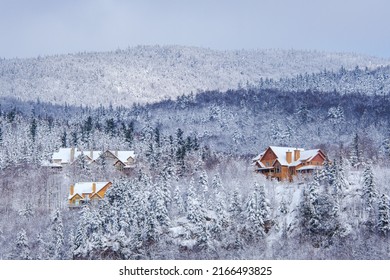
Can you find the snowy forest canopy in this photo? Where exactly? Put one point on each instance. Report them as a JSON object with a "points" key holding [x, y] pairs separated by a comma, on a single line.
{"points": [[153, 73], [193, 193]]}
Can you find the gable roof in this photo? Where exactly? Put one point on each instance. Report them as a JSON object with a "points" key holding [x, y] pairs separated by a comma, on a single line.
{"points": [[123, 155], [65, 155], [280, 153], [86, 187]]}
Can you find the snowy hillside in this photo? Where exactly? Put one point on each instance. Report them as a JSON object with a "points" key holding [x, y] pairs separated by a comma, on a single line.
{"points": [[152, 73], [366, 81]]}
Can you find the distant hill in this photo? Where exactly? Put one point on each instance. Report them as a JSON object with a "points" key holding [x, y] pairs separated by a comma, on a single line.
{"points": [[364, 81], [152, 73]]}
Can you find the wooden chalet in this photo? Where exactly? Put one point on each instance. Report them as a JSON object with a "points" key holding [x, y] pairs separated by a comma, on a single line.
{"points": [[86, 192], [283, 163], [68, 156]]}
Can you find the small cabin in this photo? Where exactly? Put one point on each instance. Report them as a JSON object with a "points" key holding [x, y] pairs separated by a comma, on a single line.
{"points": [[87, 192]]}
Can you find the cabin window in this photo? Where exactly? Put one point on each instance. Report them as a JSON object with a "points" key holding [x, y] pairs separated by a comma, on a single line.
{"points": [[267, 164], [277, 169], [77, 202]]}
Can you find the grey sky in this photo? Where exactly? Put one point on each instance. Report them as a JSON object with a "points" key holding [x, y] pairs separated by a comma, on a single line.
{"points": [[29, 28]]}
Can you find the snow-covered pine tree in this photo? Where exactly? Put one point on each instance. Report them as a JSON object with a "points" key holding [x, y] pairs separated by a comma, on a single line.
{"points": [[22, 248], [340, 183], [369, 192], [159, 199], [257, 213], [178, 201], [235, 207], [40, 248], [383, 225], [203, 184], [56, 236], [355, 154], [81, 248]]}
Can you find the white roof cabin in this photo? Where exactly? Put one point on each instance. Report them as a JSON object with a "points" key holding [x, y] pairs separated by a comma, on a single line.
{"points": [[65, 156]]}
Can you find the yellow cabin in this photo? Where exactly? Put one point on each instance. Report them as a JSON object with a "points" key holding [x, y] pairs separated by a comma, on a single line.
{"points": [[85, 192]]}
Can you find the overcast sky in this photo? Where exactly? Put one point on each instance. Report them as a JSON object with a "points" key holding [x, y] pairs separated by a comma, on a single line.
{"points": [[29, 28]]}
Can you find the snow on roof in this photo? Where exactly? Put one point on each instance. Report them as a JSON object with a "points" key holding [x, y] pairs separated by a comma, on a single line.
{"points": [[123, 155], [257, 157], [309, 154], [86, 187], [63, 154], [309, 167], [93, 155], [280, 153]]}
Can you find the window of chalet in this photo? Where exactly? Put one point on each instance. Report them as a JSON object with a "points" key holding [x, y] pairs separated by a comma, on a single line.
{"points": [[277, 169]]}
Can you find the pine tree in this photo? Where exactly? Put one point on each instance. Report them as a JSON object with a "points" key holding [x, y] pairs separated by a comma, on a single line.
{"points": [[235, 207], [340, 183], [257, 213], [33, 129], [178, 201], [385, 147], [369, 193], [355, 155], [64, 143], [56, 243], [80, 242], [40, 248], [159, 201], [22, 249], [204, 185], [383, 215]]}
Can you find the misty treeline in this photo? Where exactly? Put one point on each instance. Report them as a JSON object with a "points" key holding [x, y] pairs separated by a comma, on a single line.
{"points": [[193, 193]]}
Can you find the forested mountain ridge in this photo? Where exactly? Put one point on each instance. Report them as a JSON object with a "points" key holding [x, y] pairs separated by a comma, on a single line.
{"points": [[153, 73], [359, 80]]}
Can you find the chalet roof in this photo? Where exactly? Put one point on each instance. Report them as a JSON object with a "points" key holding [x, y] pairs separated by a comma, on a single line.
{"points": [[93, 155], [280, 153], [64, 155], [123, 155], [86, 187]]}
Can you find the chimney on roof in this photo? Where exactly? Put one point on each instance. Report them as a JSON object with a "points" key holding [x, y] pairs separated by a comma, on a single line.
{"points": [[116, 153], [297, 154], [71, 189], [93, 187], [71, 154], [91, 154], [289, 156]]}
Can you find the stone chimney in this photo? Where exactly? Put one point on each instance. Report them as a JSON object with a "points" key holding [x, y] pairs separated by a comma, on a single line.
{"points": [[289, 156], [93, 187], [297, 154], [71, 154], [71, 189]]}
